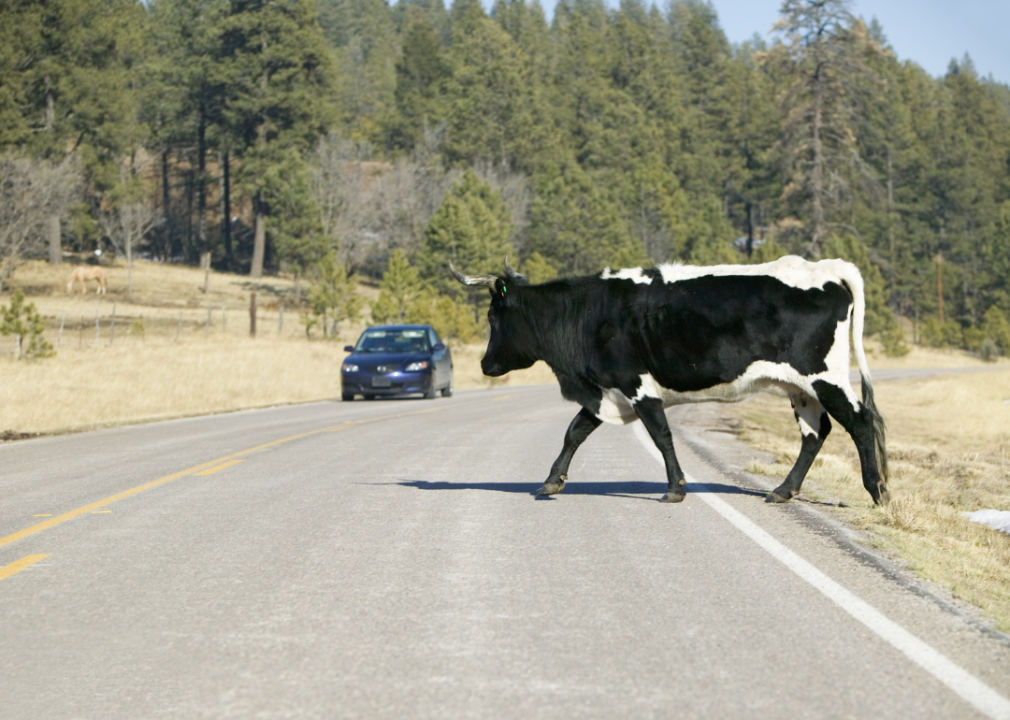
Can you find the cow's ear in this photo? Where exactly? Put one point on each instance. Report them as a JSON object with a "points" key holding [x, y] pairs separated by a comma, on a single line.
{"points": [[500, 288]]}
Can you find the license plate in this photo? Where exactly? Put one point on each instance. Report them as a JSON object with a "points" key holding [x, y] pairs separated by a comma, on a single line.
{"points": [[381, 382]]}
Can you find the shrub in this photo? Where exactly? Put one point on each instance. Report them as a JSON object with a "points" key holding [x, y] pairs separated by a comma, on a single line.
{"points": [[26, 325]]}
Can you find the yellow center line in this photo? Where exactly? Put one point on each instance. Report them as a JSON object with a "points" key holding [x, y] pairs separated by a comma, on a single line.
{"points": [[98, 504], [503, 397], [211, 471], [19, 565]]}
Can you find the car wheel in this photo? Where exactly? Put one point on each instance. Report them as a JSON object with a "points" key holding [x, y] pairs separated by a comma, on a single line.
{"points": [[429, 394], [347, 397], [447, 390], [368, 397]]}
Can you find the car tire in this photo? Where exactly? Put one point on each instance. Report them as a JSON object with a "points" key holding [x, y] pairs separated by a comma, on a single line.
{"points": [[447, 390], [347, 397], [429, 394], [368, 397]]}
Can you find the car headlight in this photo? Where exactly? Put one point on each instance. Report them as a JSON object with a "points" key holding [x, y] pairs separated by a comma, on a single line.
{"points": [[350, 367], [415, 366]]}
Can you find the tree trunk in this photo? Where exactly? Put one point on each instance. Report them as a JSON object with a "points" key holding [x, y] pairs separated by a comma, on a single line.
{"points": [[201, 204], [166, 210], [226, 208], [817, 175], [259, 239], [55, 247], [129, 264], [750, 228]]}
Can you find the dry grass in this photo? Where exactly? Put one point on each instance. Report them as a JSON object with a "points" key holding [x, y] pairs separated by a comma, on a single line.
{"points": [[949, 446], [166, 360]]}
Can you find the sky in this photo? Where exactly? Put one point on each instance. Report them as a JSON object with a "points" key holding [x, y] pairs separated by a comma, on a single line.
{"points": [[927, 32]]}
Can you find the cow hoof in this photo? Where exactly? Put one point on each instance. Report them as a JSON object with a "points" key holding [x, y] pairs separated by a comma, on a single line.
{"points": [[673, 497], [884, 498], [551, 488]]}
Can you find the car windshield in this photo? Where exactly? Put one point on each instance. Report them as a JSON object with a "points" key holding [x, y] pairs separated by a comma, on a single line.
{"points": [[393, 341]]}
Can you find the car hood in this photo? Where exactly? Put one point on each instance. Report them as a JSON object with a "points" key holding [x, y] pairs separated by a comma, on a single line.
{"points": [[392, 359]]}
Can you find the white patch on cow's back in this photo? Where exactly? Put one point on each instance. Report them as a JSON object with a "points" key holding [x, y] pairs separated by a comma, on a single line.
{"points": [[791, 270], [761, 376], [633, 274]]}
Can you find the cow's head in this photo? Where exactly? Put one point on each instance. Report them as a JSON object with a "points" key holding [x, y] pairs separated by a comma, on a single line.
{"points": [[511, 345]]}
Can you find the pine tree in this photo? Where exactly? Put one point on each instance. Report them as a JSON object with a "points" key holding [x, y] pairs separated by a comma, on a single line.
{"points": [[26, 325], [421, 72], [275, 71], [471, 229], [824, 55], [490, 103], [292, 217], [66, 88], [334, 295], [398, 292]]}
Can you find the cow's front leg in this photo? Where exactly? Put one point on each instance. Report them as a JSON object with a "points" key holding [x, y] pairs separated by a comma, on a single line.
{"points": [[650, 410], [579, 429]]}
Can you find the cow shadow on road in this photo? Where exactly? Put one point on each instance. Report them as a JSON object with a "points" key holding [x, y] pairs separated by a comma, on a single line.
{"points": [[636, 490]]}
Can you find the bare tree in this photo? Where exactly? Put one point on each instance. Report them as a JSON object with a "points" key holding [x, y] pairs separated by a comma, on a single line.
{"points": [[370, 208], [132, 217], [31, 193]]}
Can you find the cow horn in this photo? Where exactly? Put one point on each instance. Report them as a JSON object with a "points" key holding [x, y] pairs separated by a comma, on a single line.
{"points": [[513, 275], [479, 280]]}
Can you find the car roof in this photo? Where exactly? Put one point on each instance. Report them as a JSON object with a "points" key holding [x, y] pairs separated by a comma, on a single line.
{"points": [[397, 327]]}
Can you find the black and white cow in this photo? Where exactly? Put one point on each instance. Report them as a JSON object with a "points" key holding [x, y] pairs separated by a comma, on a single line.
{"points": [[625, 345]]}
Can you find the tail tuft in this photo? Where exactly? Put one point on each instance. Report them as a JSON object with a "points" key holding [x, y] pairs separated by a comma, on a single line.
{"points": [[879, 430]]}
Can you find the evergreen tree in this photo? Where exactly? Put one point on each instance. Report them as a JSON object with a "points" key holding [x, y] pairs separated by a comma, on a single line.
{"points": [[363, 33], [66, 87], [421, 72], [26, 325], [825, 58], [275, 71], [292, 217], [490, 100], [334, 296], [471, 229], [398, 292]]}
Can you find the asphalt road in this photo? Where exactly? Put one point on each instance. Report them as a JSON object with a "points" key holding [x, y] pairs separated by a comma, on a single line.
{"points": [[387, 560]]}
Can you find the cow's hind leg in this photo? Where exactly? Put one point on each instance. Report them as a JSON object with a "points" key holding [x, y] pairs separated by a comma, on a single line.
{"points": [[858, 421], [814, 426], [579, 429], [650, 411]]}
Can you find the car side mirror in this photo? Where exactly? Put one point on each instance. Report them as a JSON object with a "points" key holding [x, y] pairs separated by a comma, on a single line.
{"points": [[439, 347], [348, 348]]}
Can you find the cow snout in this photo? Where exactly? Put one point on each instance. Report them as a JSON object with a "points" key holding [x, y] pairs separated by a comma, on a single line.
{"points": [[491, 368]]}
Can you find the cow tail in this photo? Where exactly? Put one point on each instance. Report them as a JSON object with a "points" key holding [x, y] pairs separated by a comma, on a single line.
{"points": [[849, 274]]}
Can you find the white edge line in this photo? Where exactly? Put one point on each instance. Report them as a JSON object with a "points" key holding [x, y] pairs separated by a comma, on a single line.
{"points": [[972, 690]]}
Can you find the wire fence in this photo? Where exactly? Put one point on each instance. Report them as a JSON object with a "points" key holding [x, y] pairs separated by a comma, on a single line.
{"points": [[106, 325]]}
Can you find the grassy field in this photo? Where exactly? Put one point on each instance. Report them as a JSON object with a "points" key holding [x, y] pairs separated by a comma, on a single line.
{"points": [[168, 356], [949, 447]]}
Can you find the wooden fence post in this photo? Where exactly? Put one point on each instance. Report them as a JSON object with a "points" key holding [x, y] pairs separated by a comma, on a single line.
{"points": [[252, 314]]}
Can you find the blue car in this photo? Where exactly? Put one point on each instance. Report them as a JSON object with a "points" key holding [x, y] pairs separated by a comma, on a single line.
{"points": [[397, 360]]}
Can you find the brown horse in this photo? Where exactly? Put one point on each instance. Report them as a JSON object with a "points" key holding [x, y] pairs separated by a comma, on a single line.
{"points": [[83, 274]]}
